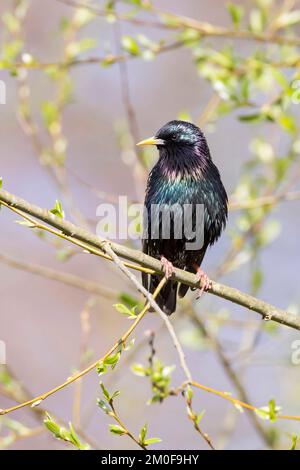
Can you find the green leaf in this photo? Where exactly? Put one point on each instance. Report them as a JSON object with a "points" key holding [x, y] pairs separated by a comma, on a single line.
{"points": [[288, 19], [103, 406], [270, 232], [77, 47], [108, 60], [273, 410], [121, 308], [82, 17], [128, 300], [50, 113], [115, 394], [58, 210], [116, 429], [200, 416], [112, 360], [287, 122], [53, 427], [138, 3], [26, 223], [257, 20], [63, 254], [236, 13], [11, 22], [105, 391], [11, 50], [269, 412], [143, 433], [160, 378], [255, 117], [294, 441], [263, 150], [189, 393], [152, 440], [130, 45], [129, 345], [101, 368], [139, 369], [73, 437], [193, 338], [64, 434]]}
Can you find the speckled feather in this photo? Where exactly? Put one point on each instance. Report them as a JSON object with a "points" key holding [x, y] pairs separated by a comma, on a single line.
{"points": [[184, 174]]}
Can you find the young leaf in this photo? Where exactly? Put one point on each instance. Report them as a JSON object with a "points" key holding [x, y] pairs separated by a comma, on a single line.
{"points": [[116, 429], [101, 368], [121, 308], [64, 434], [200, 416], [112, 360], [294, 442], [151, 440], [58, 210], [103, 406], [105, 391], [143, 433], [25, 223], [236, 13], [52, 426], [130, 45], [288, 19], [139, 369], [128, 300]]}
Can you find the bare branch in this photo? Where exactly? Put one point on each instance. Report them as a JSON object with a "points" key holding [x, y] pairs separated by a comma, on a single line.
{"points": [[37, 400], [89, 241], [204, 28], [178, 347], [91, 287]]}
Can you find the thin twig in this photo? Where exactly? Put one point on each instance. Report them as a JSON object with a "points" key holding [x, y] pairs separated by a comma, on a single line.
{"points": [[205, 29], [243, 395], [22, 394], [37, 400], [82, 237], [92, 287], [178, 347], [265, 201]]}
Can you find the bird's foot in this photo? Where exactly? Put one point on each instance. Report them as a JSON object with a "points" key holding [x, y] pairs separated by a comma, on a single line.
{"points": [[204, 281], [167, 266]]}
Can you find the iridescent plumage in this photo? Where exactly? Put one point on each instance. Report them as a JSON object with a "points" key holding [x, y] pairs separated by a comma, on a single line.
{"points": [[184, 174]]}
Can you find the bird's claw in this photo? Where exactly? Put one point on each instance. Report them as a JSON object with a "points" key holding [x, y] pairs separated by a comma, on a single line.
{"points": [[204, 280], [167, 266]]}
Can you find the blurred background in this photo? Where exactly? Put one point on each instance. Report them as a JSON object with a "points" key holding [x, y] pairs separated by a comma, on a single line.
{"points": [[68, 134]]}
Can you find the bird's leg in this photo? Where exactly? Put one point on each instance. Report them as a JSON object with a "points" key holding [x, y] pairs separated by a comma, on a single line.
{"points": [[203, 279], [167, 266]]}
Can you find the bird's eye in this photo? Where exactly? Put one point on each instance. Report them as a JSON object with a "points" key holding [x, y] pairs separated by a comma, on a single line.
{"points": [[174, 137]]}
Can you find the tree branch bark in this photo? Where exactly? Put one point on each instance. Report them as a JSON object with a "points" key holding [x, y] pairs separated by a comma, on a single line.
{"points": [[74, 233]]}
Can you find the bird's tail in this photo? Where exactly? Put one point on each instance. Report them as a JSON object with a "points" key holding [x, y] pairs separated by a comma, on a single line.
{"points": [[166, 299], [183, 288]]}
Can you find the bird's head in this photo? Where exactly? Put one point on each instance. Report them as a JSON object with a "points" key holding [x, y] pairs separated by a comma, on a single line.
{"points": [[178, 139]]}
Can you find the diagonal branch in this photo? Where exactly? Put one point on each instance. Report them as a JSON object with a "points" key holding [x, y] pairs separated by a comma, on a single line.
{"points": [[107, 248], [92, 287], [37, 400], [179, 22], [94, 244]]}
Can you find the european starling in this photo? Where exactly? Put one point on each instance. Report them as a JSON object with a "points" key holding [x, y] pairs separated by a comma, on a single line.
{"points": [[184, 177]]}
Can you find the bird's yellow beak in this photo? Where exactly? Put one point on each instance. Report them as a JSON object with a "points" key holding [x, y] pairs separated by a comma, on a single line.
{"points": [[151, 141]]}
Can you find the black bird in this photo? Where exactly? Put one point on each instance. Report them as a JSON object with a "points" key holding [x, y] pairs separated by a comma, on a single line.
{"points": [[184, 175]]}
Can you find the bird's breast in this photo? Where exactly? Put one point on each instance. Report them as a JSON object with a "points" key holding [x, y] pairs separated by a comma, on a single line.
{"points": [[171, 190]]}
